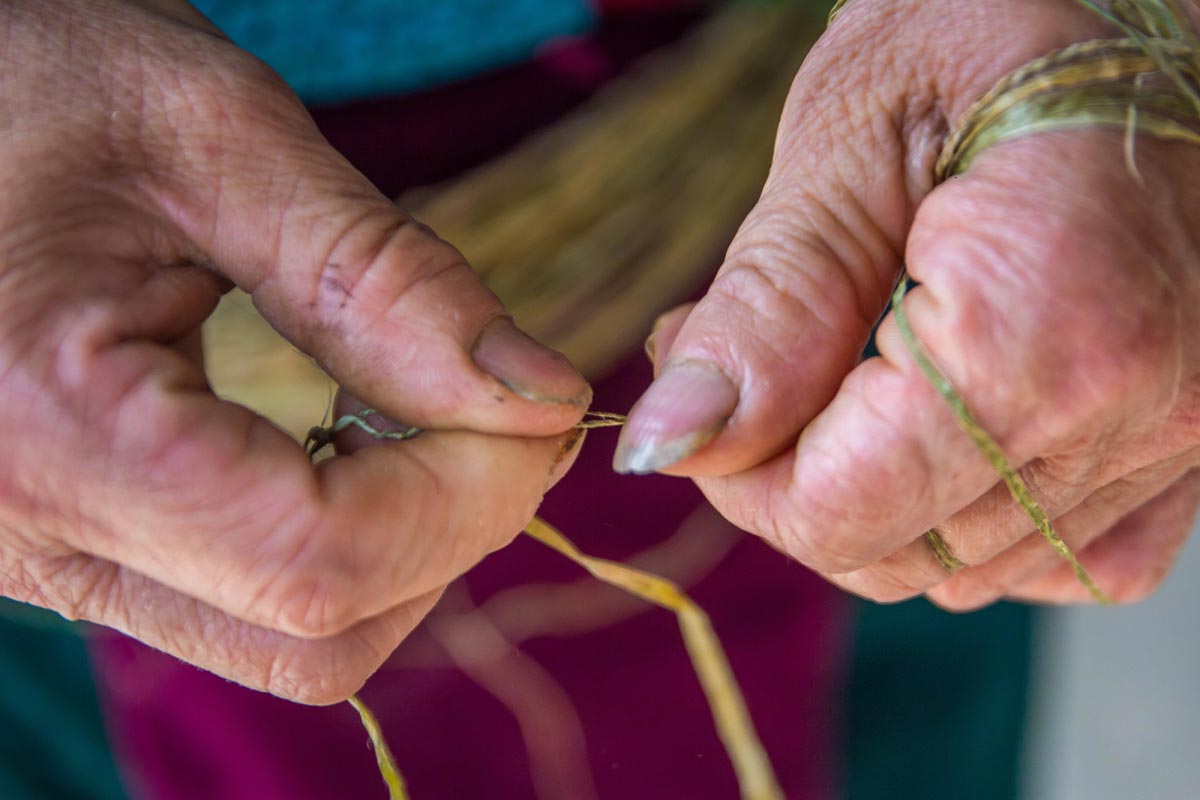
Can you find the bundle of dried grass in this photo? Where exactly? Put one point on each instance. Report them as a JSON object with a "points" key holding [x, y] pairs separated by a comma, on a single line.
{"points": [[591, 229]]}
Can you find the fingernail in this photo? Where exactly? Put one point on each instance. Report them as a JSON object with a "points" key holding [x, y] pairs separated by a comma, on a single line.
{"points": [[527, 367], [650, 346], [683, 410]]}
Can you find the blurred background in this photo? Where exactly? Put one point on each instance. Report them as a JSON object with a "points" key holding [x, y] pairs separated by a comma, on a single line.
{"points": [[1114, 705], [592, 161]]}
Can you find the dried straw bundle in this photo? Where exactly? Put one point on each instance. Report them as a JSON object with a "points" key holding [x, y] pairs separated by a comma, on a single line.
{"points": [[591, 229]]}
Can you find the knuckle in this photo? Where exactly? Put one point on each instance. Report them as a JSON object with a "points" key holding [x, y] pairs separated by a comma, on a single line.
{"points": [[315, 604], [220, 83], [992, 525], [842, 500], [978, 544], [1120, 344], [821, 556], [903, 575], [313, 593], [789, 521], [796, 524], [815, 538], [780, 272], [337, 570], [378, 259], [805, 541], [1134, 592], [317, 673], [1124, 363], [383, 267]]}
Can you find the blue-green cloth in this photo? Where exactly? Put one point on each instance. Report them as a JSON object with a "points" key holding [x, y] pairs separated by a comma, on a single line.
{"points": [[336, 50], [936, 702], [53, 743]]}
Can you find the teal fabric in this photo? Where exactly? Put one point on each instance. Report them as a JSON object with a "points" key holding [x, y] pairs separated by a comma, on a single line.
{"points": [[335, 50], [53, 744], [936, 702]]}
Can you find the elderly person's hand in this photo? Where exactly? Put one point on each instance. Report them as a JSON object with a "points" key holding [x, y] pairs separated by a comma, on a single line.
{"points": [[145, 164], [1059, 294]]}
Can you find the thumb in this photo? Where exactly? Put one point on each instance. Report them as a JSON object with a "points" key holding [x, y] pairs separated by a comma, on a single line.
{"points": [[811, 268], [791, 307], [391, 311]]}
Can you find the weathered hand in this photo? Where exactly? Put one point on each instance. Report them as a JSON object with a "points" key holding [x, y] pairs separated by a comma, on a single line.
{"points": [[146, 163], [1059, 294]]}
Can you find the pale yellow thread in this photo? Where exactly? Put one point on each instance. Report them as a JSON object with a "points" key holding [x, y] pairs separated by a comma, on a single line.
{"points": [[836, 10], [383, 756], [987, 445], [756, 778]]}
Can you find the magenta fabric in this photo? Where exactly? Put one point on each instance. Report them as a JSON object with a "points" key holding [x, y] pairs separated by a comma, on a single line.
{"points": [[427, 137], [639, 727]]}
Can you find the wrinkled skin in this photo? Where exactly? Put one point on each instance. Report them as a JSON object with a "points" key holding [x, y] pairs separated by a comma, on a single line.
{"points": [[146, 164], [1058, 293]]}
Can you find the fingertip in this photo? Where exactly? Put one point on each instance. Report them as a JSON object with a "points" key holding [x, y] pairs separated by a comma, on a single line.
{"points": [[685, 408]]}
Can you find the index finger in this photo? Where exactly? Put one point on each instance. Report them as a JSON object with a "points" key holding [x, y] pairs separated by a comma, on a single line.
{"points": [[208, 499]]}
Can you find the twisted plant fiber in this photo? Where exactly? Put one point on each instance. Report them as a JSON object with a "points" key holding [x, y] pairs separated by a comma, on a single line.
{"points": [[588, 230]]}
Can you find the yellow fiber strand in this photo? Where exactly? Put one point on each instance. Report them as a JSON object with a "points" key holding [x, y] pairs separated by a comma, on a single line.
{"points": [[383, 756], [835, 10], [600, 419], [987, 445], [755, 776]]}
